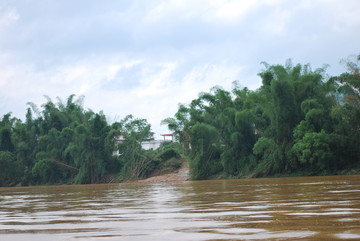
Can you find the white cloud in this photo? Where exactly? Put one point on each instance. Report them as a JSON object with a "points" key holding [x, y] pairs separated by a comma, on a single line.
{"points": [[157, 95], [69, 75], [156, 83], [145, 57], [8, 17], [228, 11], [347, 15], [234, 10], [277, 22]]}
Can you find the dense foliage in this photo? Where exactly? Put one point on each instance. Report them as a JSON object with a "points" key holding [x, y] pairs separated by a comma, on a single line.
{"points": [[299, 121], [64, 143]]}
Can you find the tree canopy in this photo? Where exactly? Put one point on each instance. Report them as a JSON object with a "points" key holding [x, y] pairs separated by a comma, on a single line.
{"points": [[299, 122], [64, 143]]}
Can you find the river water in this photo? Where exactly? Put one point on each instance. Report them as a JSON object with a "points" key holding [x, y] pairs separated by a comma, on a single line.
{"points": [[306, 208]]}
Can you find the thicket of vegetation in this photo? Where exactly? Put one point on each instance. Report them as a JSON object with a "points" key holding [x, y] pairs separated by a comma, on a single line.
{"points": [[64, 143], [300, 121]]}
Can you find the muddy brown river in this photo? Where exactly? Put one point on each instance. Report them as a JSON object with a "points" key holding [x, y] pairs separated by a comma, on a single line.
{"points": [[306, 208]]}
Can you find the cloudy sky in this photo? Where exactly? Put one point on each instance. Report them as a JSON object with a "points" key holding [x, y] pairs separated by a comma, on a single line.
{"points": [[143, 57]]}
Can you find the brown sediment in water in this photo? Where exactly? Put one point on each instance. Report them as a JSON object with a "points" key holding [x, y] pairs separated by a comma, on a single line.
{"points": [[297, 208]]}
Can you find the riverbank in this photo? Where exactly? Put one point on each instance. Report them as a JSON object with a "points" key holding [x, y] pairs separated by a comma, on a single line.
{"points": [[182, 174], [179, 175]]}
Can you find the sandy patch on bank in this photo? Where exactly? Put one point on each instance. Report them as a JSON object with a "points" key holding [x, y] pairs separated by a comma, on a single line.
{"points": [[180, 175]]}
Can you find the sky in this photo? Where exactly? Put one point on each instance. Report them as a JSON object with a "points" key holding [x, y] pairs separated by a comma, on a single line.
{"points": [[144, 57]]}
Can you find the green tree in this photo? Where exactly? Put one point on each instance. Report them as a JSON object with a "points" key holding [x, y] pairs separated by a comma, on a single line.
{"points": [[135, 161], [204, 151]]}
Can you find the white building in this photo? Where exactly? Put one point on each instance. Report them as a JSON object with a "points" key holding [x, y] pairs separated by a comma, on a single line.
{"points": [[149, 144], [155, 144]]}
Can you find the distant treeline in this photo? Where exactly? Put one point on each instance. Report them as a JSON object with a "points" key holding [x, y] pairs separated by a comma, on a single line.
{"points": [[299, 122]]}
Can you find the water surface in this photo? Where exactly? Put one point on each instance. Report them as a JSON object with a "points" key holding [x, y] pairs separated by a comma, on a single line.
{"points": [[307, 208]]}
